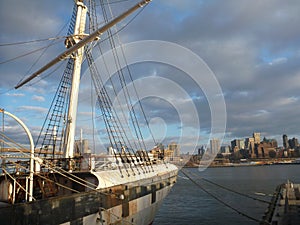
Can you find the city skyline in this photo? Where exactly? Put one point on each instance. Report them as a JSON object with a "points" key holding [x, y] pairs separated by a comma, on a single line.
{"points": [[279, 140]]}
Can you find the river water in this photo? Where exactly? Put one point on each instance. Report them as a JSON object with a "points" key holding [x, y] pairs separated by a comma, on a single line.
{"points": [[188, 204]]}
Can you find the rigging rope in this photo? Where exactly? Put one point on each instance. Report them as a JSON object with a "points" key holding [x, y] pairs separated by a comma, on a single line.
{"points": [[120, 73], [51, 43], [57, 170], [93, 121], [236, 192], [45, 76], [116, 139], [233, 191], [123, 82], [113, 2], [131, 110], [54, 122], [28, 53], [113, 122], [133, 115], [217, 198], [47, 164], [7, 173], [58, 184], [118, 101], [131, 78], [121, 76], [37, 81], [45, 178], [98, 43], [103, 100], [105, 105], [32, 41]]}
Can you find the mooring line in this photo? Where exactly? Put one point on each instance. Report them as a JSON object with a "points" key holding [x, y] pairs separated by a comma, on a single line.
{"points": [[217, 198]]}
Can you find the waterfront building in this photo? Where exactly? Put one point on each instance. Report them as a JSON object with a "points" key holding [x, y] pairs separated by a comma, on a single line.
{"points": [[293, 143], [214, 145], [160, 146], [256, 137], [225, 149], [171, 152], [264, 150], [201, 150], [237, 144], [174, 147], [249, 143], [273, 142], [285, 141]]}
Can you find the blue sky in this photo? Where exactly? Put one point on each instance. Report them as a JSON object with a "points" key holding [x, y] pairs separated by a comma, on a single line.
{"points": [[252, 47]]}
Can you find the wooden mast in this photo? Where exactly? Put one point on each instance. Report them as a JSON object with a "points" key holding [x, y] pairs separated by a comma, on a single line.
{"points": [[77, 56], [75, 45]]}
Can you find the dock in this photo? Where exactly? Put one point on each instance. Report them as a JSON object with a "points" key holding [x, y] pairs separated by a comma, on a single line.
{"points": [[284, 208]]}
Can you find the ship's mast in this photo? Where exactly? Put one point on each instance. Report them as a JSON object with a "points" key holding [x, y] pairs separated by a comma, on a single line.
{"points": [[75, 45], [83, 42], [77, 57]]}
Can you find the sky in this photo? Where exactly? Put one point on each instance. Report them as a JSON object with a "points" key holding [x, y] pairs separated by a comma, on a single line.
{"points": [[248, 51]]}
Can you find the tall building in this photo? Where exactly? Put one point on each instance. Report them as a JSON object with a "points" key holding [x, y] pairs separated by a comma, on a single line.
{"points": [[175, 148], [249, 143], [273, 142], [160, 146], [237, 144], [265, 150], [225, 149], [285, 141], [201, 150], [215, 145], [293, 143], [256, 137]]}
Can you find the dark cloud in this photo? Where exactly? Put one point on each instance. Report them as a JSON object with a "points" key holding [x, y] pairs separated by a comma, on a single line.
{"points": [[253, 48]]}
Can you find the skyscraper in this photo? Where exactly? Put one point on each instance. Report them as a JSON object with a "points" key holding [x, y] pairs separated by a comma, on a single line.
{"points": [[237, 144], [256, 137], [215, 145], [173, 146], [293, 143], [285, 141], [249, 143]]}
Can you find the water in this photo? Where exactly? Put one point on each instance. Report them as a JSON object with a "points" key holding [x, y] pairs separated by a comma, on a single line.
{"points": [[188, 204]]}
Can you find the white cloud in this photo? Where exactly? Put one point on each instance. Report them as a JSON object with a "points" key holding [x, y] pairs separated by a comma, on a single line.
{"points": [[35, 109], [38, 98], [15, 94], [285, 101], [228, 35], [278, 61]]}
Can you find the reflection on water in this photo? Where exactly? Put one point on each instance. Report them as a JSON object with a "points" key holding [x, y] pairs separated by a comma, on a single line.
{"points": [[187, 204]]}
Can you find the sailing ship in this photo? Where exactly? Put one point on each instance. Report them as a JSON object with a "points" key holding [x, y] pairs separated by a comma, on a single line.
{"points": [[61, 181]]}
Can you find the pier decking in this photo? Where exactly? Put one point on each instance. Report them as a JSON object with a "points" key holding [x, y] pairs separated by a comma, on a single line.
{"points": [[284, 208]]}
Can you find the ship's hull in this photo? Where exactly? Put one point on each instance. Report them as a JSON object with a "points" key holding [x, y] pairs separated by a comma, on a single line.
{"points": [[134, 202], [141, 211]]}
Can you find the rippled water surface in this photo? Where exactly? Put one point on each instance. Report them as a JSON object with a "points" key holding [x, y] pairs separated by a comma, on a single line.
{"points": [[188, 204]]}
